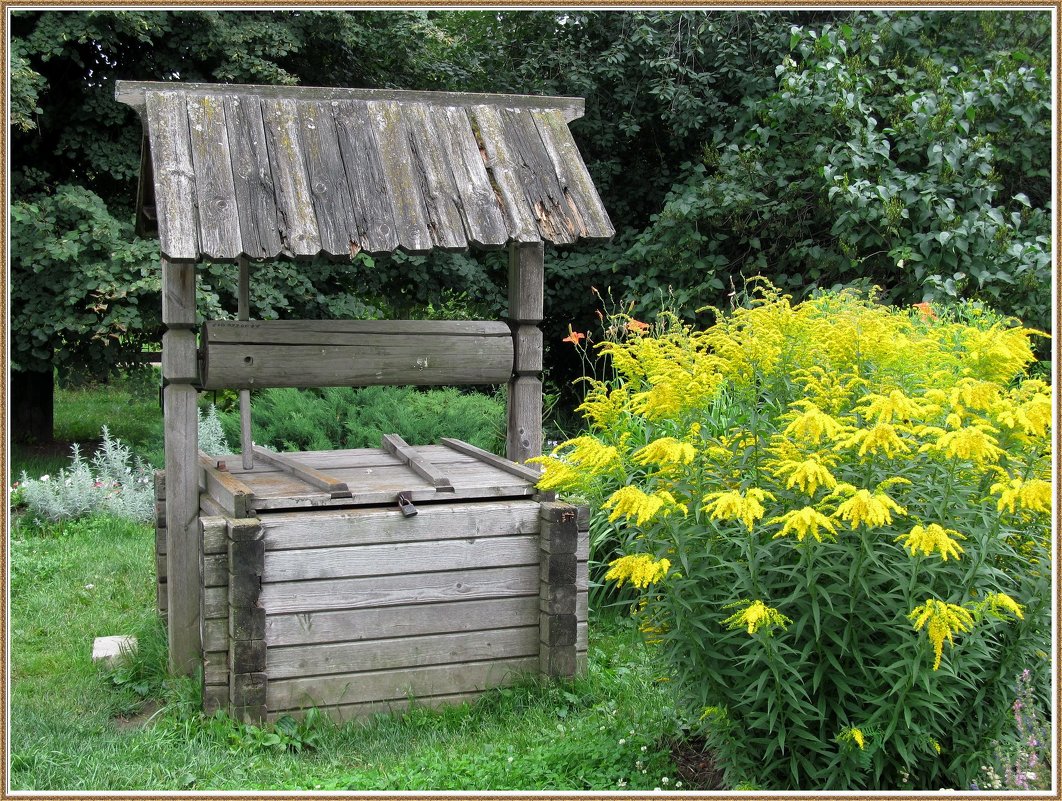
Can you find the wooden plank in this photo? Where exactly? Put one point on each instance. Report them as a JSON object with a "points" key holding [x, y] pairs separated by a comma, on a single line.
{"points": [[399, 590], [215, 192], [216, 634], [332, 203], [216, 570], [298, 225], [437, 189], [557, 221], [312, 476], [527, 349], [212, 530], [400, 653], [353, 712], [180, 356], [244, 313], [320, 529], [234, 497], [133, 93], [367, 183], [216, 606], [394, 444], [405, 558], [576, 184], [481, 208], [256, 204], [215, 667], [393, 685], [413, 360], [521, 471], [400, 621], [397, 161], [171, 164], [178, 294], [524, 429], [503, 169], [346, 332]]}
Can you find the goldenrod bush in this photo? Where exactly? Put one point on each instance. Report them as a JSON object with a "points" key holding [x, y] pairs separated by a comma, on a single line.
{"points": [[836, 520]]}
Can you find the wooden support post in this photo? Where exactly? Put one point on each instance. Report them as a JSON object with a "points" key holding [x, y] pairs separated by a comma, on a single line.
{"points": [[526, 287], [558, 538], [247, 646], [244, 313], [183, 585]]}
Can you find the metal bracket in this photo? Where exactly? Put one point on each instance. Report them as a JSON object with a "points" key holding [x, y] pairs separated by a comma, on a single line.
{"points": [[405, 504]]}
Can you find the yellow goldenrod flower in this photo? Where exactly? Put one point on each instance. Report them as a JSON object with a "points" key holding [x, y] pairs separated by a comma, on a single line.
{"points": [[936, 745], [640, 570], [1033, 417], [866, 509], [631, 502], [589, 453], [974, 443], [853, 735], [944, 619], [808, 474], [881, 438], [927, 540], [972, 394], [813, 424], [557, 474], [732, 505], [1034, 495], [665, 451], [1001, 606], [755, 616], [604, 406], [884, 408], [803, 522]]}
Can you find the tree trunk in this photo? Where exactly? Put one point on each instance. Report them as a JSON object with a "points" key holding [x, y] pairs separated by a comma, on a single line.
{"points": [[32, 395]]}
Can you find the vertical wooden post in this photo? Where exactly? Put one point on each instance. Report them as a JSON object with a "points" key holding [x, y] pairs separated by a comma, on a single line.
{"points": [[247, 646], [558, 590], [526, 286], [179, 374], [244, 313]]}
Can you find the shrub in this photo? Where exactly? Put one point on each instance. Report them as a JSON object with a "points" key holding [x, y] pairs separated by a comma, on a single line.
{"points": [[834, 516], [342, 417]]}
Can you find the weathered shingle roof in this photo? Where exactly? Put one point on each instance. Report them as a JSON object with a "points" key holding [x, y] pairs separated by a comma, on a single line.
{"points": [[261, 171]]}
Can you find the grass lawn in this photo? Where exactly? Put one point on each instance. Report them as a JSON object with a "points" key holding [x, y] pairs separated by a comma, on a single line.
{"points": [[77, 727]]}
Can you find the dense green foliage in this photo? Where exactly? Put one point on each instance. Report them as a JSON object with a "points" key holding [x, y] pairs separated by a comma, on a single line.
{"points": [[341, 417], [836, 519], [905, 148]]}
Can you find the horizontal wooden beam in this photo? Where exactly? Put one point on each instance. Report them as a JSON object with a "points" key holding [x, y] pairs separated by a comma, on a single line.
{"points": [[310, 475], [133, 93], [396, 446], [294, 353]]}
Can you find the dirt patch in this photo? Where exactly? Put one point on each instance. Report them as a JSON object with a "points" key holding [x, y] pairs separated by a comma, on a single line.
{"points": [[129, 722], [696, 765]]}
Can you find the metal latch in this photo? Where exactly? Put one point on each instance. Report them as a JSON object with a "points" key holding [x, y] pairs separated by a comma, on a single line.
{"points": [[405, 504]]}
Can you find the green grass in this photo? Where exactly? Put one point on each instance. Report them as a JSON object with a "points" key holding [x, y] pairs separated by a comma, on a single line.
{"points": [[69, 726]]}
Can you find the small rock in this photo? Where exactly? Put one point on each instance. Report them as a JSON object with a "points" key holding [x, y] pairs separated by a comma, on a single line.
{"points": [[107, 650]]}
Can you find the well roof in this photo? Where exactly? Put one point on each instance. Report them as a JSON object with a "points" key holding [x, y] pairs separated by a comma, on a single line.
{"points": [[264, 171]]}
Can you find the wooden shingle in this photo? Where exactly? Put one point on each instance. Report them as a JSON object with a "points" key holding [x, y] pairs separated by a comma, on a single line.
{"points": [[268, 171]]}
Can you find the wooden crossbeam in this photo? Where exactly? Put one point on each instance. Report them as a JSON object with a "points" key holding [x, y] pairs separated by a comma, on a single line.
{"points": [[493, 460], [310, 475], [396, 446]]}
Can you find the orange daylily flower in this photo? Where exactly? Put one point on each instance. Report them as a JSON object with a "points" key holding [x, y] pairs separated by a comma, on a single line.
{"points": [[926, 309], [573, 337], [637, 325]]}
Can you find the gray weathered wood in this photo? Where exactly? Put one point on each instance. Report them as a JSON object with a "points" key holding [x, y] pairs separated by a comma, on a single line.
{"points": [[167, 125], [579, 191], [215, 631], [503, 168], [362, 593], [178, 294], [373, 209], [325, 528], [290, 182], [557, 221], [346, 713], [483, 215], [180, 360], [392, 685], [522, 471], [308, 359], [332, 201], [133, 93], [362, 625], [212, 530], [399, 168], [252, 176], [345, 332], [219, 224], [394, 444], [524, 429], [438, 190], [405, 558], [231, 494], [404, 652], [527, 349], [526, 282], [244, 313], [311, 475], [182, 511]]}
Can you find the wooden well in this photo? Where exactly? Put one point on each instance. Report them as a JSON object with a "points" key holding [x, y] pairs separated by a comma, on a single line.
{"points": [[262, 546]]}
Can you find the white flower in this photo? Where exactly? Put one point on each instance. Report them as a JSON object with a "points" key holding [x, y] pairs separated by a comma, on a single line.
{"points": [[643, 748], [639, 764], [678, 785], [665, 780], [1031, 775], [621, 783], [510, 760], [89, 586], [622, 742], [45, 477]]}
